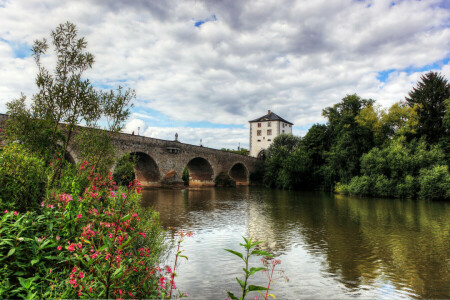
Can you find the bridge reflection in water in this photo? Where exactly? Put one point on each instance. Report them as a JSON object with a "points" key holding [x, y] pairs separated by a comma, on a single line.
{"points": [[330, 246]]}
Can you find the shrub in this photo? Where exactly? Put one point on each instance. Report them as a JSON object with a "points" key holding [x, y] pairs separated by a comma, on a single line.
{"points": [[100, 244], [124, 171], [22, 179], [435, 183]]}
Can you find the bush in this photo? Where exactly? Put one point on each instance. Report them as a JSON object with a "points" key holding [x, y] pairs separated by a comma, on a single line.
{"points": [[361, 185], [124, 171], [435, 183], [22, 179], [100, 244]]}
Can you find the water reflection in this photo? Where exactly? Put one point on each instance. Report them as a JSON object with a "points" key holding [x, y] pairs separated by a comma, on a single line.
{"points": [[331, 246]]}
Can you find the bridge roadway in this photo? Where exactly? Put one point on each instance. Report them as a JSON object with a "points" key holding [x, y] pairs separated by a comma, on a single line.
{"points": [[161, 162]]}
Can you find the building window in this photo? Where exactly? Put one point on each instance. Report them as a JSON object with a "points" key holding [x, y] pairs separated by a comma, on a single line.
{"points": [[258, 132], [259, 124], [269, 131], [259, 140], [283, 125], [269, 124], [290, 125], [282, 131], [269, 140]]}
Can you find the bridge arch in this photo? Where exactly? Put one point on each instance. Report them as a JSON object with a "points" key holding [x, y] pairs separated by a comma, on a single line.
{"points": [[146, 169], [239, 173], [200, 172], [261, 155]]}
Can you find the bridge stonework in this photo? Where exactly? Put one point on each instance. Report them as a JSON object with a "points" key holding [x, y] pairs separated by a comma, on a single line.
{"points": [[161, 162]]}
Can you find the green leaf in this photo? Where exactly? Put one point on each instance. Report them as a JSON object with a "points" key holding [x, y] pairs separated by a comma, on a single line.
{"points": [[256, 288], [232, 296], [184, 256], [241, 282], [254, 270], [256, 243], [235, 253], [11, 252], [34, 261], [125, 218], [261, 252]]}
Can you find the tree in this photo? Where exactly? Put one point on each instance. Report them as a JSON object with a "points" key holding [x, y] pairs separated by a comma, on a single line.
{"points": [[349, 140], [66, 97], [278, 152], [429, 95]]}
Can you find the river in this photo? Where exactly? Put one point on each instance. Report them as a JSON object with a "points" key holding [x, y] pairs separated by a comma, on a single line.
{"points": [[330, 246]]}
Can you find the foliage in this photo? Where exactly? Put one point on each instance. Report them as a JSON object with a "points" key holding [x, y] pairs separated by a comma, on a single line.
{"points": [[401, 169], [241, 151], [250, 250], [97, 245], [364, 149], [185, 177], [22, 179], [429, 95], [281, 147], [124, 171], [64, 96], [435, 183]]}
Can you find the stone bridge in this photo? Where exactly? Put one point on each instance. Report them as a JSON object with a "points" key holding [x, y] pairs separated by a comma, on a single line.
{"points": [[161, 162]]}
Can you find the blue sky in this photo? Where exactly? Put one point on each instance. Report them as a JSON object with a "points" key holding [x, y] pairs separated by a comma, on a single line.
{"points": [[204, 68]]}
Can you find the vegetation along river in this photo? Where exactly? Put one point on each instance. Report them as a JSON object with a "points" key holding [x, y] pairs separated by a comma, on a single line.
{"points": [[330, 246]]}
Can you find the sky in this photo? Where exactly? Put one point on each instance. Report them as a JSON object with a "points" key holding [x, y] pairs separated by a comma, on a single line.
{"points": [[203, 69]]}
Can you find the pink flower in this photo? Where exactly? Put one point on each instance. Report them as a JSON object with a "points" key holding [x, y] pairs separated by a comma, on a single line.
{"points": [[81, 274], [59, 248], [90, 290], [71, 248], [15, 213], [143, 234], [111, 235], [79, 216], [120, 292], [131, 294], [57, 237], [50, 271], [169, 270], [39, 240]]}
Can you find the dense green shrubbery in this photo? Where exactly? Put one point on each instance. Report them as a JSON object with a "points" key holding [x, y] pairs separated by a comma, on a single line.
{"points": [[435, 183], [402, 170], [22, 179], [90, 242]]}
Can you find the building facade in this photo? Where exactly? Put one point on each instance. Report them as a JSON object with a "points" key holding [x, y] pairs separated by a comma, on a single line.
{"points": [[264, 130]]}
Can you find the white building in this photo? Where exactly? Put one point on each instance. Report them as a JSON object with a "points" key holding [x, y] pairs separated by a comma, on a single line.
{"points": [[264, 129]]}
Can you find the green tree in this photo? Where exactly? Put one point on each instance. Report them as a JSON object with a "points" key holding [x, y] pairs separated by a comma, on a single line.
{"points": [[280, 149], [349, 139], [429, 95], [65, 97]]}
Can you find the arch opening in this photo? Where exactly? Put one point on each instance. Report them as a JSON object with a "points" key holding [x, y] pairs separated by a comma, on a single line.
{"points": [[145, 168], [239, 173], [261, 155], [200, 170]]}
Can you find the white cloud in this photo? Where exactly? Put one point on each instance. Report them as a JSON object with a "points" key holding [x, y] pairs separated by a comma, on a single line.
{"points": [[294, 57]]}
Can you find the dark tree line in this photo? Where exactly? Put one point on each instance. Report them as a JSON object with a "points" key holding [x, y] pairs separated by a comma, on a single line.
{"points": [[366, 150]]}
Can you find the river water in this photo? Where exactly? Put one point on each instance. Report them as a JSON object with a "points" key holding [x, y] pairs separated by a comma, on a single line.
{"points": [[330, 246]]}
